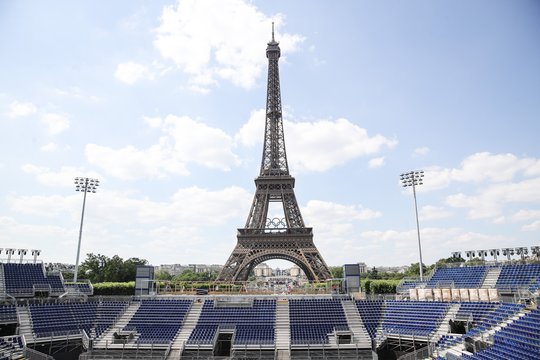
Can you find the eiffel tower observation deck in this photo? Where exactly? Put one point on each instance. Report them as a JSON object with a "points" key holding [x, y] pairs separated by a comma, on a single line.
{"points": [[284, 238]]}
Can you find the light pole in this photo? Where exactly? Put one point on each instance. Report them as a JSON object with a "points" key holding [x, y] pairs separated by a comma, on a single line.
{"points": [[414, 179], [84, 185]]}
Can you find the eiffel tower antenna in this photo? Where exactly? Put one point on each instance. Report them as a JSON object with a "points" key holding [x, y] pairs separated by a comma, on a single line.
{"points": [[262, 238]]}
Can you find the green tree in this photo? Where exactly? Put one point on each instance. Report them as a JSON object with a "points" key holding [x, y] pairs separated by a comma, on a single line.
{"points": [[100, 268], [373, 274], [129, 268], [337, 272], [450, 260], [162, 275], [414, 270], [92, 268]]}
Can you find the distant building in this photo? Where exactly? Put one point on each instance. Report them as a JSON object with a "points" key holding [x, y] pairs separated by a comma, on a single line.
{"points": [[392, 269], [176, 269], [263, 270], [363, 267]]}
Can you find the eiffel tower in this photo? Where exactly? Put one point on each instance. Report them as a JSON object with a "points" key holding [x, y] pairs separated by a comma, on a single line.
{"points": [[264, 239]]}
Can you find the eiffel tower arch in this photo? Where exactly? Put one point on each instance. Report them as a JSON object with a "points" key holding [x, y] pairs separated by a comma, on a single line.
{"points": [[262, 238]]}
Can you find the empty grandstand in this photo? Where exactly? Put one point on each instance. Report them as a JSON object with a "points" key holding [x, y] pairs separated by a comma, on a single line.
{"points": [[476, 324]]}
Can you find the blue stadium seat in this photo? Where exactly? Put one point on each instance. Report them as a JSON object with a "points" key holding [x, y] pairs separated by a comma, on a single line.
{"points": [[460, 277], [251, 325], [311, 320], [158, 321]]}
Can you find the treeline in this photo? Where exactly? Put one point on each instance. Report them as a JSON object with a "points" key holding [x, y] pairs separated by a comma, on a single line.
{"points": [[101, 269]]}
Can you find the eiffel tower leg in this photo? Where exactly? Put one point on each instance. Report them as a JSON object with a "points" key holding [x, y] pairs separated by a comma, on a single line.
{"points": [[232, 266]]}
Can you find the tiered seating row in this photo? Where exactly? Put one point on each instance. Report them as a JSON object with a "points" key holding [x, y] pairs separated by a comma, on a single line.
{"points": [[515, 276], [21, 278], [478, 311], [461, 277], [518, 340], [414, 318], [11, 347], [8, 314], [311, 320], [71, 318], [371, 314], [158, 321], [252, 325]]}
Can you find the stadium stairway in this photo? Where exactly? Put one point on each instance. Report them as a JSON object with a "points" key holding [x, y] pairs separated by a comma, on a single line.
{"points": [[190, 322], [360, 335], [443, 328], [25, 323], [492, 275], [106, 338], [282, 330]]}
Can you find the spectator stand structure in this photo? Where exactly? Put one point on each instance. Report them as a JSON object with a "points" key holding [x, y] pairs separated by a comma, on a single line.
{"points": [[26, 280], [509, 331], [12, 347], [513, 282], [233, 325]]}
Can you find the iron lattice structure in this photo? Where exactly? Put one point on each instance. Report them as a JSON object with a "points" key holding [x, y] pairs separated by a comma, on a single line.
{"points": [[262, 238]]}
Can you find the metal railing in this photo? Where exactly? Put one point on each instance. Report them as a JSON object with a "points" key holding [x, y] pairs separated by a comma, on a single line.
{"points": [[32, 354]]}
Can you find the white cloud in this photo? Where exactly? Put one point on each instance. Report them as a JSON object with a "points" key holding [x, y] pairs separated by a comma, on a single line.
{"points": [[481, 167], [184, 141], [379, 246], [76, 93], [132, 223], [19, 235], [56, 123], [64, 177], [130, 72], [50, 147], [534, 226], [130, 163], [524, 215], [376, 162], [324, 144], [208, 40], [318, 211], [252, 132], [422, 151], [20, 109], [430, 212], [319, 145], [489, 201], [153, 122]]}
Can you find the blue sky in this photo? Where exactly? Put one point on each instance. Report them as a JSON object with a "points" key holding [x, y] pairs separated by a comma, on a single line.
{"points": [[163, 101]]}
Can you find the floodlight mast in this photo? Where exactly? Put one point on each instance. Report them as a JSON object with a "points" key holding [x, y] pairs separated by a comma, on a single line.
{"points": [[85, 185], [414, 179]]}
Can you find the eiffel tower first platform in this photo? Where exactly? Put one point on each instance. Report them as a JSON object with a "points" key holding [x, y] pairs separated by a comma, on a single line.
{"points": [[264, 239]]}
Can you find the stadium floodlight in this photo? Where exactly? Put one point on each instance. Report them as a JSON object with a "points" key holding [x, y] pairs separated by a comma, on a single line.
{"points": [[535, 250], [9, 252], [470, 253], [494, 253], [456, 254], [21, 253], [482, 254], [35, 254], [83, 184], [508, 252], [522, 251], [414, 179]]}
